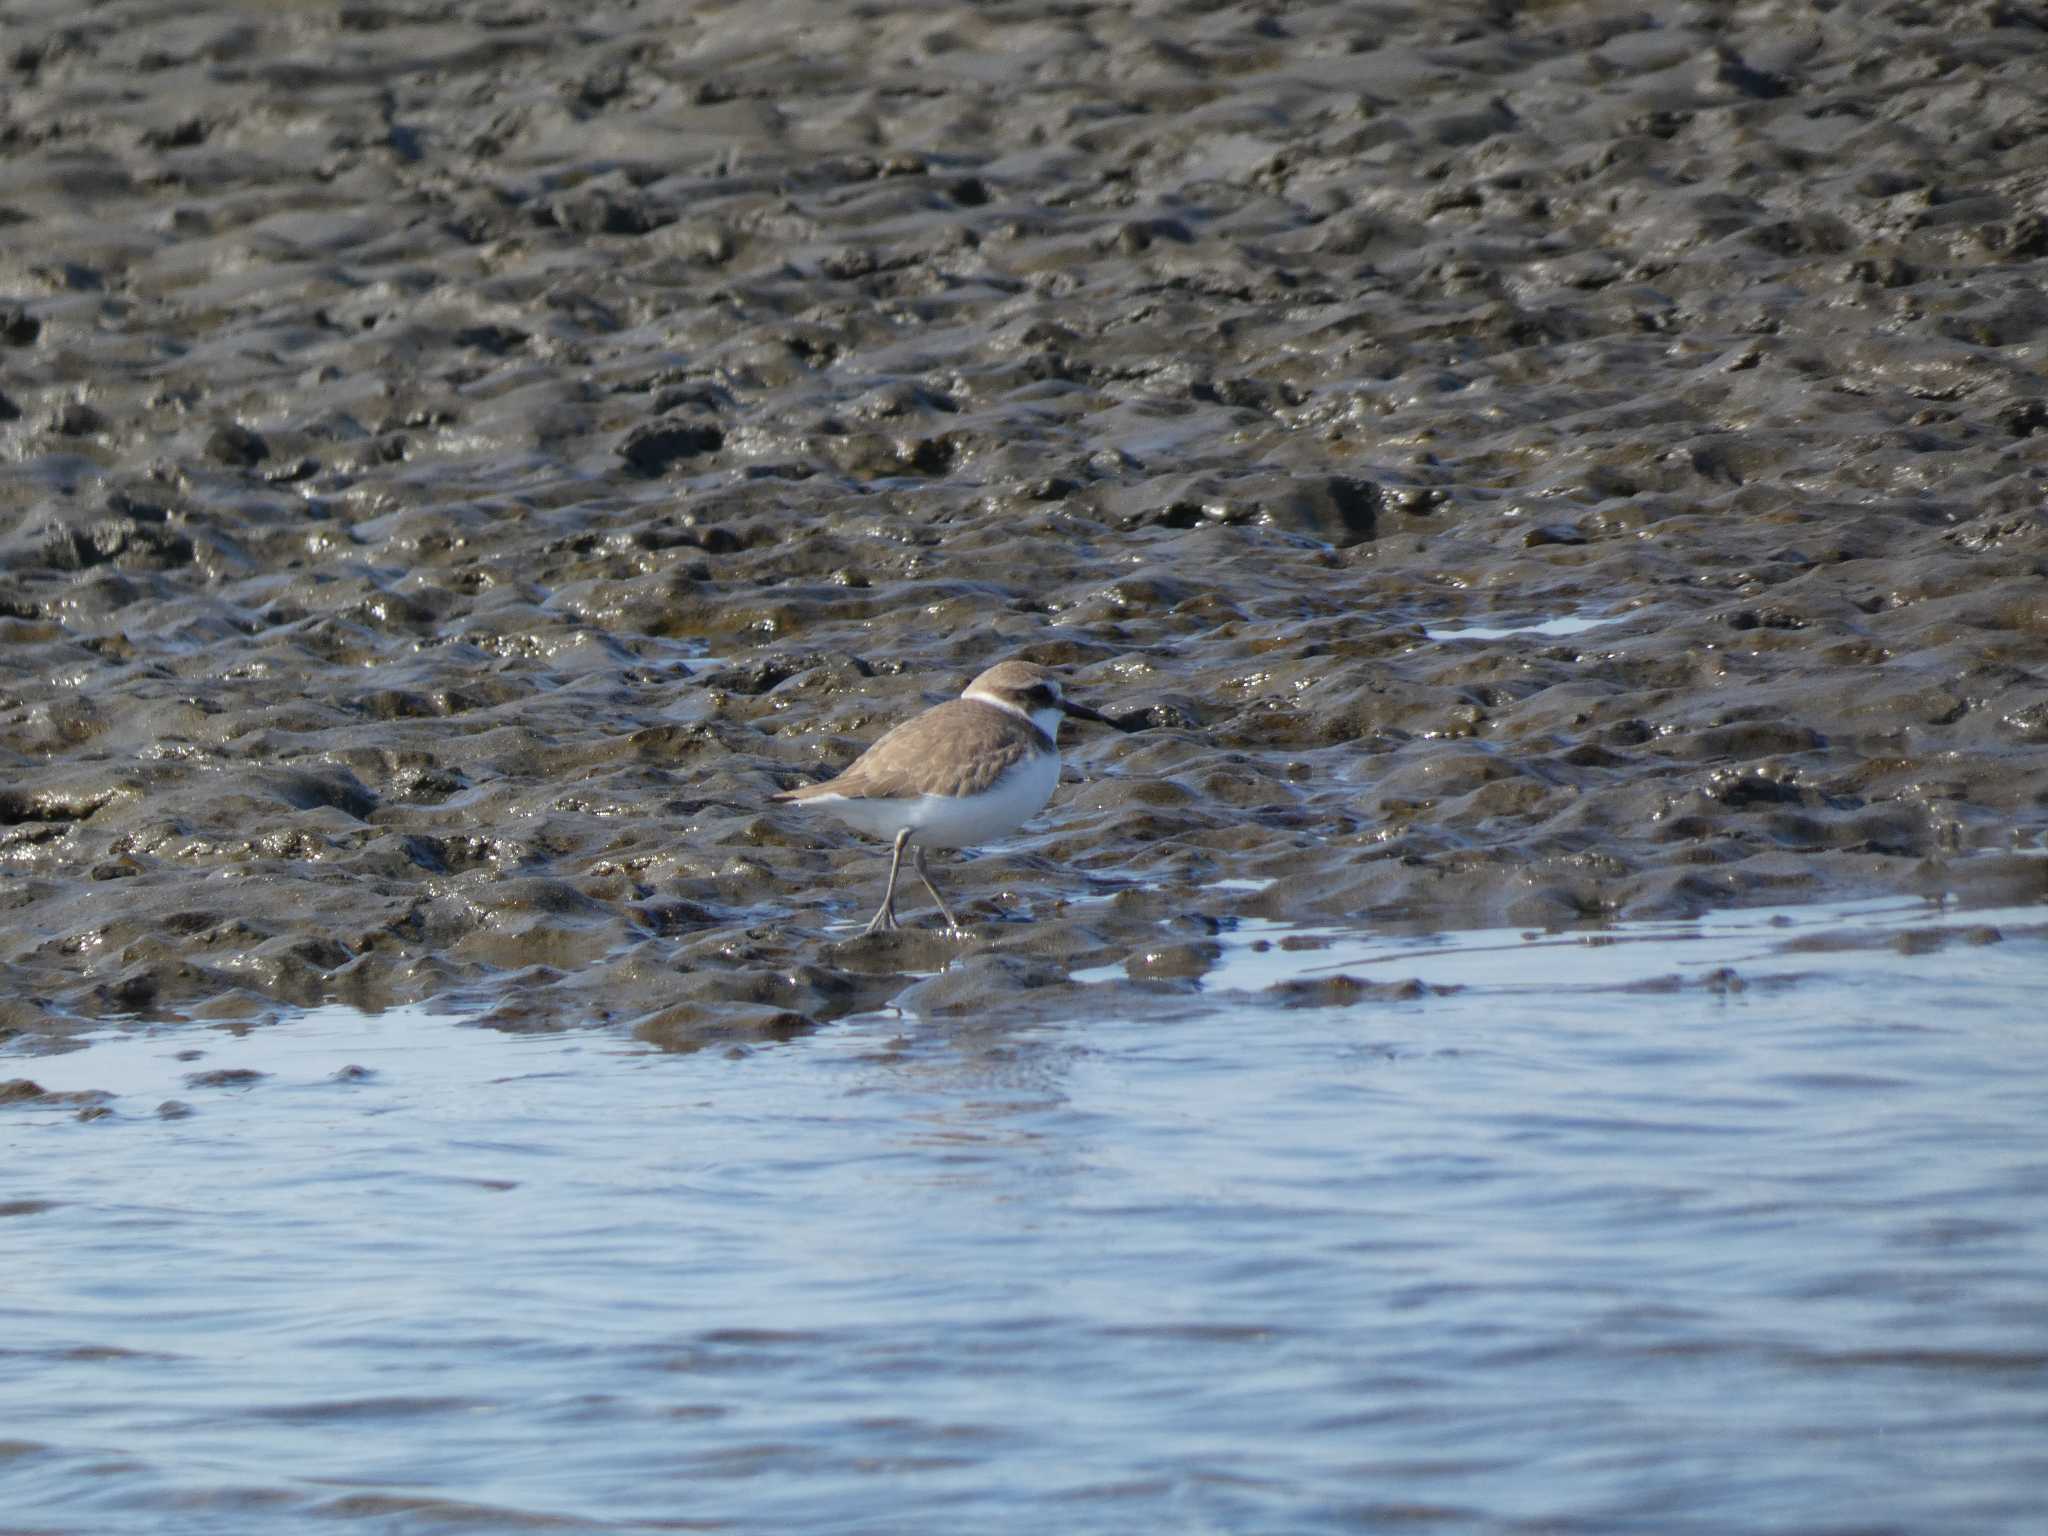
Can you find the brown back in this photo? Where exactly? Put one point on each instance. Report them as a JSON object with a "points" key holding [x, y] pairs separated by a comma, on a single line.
{"points": [[959, 748]]}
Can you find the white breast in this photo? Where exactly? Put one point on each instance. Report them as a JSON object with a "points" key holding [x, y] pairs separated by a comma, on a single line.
{"points": [[956, 821]]}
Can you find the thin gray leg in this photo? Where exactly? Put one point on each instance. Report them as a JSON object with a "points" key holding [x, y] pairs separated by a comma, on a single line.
{"points": [[925, 875], [884, 921]]}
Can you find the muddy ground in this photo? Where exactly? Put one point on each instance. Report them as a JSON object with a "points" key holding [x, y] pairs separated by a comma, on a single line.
{"points": [[458, 462]]}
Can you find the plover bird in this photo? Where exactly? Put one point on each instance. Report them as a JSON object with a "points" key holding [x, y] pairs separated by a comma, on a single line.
{"points": [[958, 775]]}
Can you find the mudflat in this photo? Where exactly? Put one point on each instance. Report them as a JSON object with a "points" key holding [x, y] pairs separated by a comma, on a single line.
{"points": [[461, 459]]}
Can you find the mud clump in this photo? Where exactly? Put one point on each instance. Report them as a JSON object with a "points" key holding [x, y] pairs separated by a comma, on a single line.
{"points": [[225, 1077], [1345, 991], [445, 505]]}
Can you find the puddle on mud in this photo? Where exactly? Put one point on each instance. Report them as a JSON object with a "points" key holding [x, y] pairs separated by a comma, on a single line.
{"points": [[1568, 624], [1554, 1242]]}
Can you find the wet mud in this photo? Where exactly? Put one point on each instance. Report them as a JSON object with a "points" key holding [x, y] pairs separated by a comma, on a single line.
{"points": [[460, 461]]}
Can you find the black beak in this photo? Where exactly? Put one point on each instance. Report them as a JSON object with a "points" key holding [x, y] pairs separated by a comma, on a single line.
{"points": [[1083, 712]]}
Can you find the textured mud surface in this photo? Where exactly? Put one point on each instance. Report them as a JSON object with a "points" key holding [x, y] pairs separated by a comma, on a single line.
{"points": [[458, 462]]}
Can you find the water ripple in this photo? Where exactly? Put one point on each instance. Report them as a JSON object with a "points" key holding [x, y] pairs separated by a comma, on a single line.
{"points": [[1543, 1253]]}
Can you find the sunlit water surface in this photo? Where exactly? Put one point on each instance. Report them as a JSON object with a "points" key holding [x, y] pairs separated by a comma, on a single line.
{"points": [[1701, 1228], [1534, 629]]}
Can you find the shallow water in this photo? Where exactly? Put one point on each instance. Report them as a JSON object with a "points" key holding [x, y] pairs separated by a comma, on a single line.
{"points": [[1546, 629], [1705, 1227]]}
